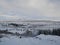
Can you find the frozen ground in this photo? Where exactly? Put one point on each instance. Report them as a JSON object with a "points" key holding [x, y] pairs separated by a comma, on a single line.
{"points": [[38, 40], [8, 39]]}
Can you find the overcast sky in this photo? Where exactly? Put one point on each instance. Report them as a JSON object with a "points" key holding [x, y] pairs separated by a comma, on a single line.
{"points": [[29, 9]]}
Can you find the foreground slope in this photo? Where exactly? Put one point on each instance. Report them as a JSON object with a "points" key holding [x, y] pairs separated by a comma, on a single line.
{"points": [[38, 40]]}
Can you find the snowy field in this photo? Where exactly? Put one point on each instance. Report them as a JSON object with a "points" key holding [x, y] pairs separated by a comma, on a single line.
{"points": [[38, 40], [17, 33]]}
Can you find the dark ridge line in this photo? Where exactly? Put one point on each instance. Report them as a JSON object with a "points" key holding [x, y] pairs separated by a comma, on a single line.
{"points": [[29, 33]]}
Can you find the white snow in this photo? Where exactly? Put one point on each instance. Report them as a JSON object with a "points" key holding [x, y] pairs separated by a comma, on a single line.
{"points": [[38, 40]]}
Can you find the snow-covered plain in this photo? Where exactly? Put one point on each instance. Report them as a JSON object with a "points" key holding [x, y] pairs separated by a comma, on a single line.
{"points": [[38, 40], [41, 39]]}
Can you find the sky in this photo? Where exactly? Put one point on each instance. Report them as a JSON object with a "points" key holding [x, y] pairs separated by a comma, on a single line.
{"points": [[30, 9]]}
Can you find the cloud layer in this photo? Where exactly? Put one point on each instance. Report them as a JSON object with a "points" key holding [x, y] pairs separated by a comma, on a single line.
{"points": [[30, 9]]}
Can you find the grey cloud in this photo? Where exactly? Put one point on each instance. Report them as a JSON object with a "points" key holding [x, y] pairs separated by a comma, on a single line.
{"points": [[31, 9]]}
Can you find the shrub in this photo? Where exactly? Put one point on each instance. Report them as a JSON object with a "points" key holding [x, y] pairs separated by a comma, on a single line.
{"points": [[56, 32]]}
